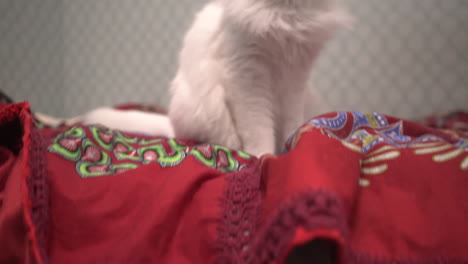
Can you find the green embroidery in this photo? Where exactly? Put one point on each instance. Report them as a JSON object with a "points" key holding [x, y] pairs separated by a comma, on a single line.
{"points": [[124, 166], [175, 145], [210, 162], [129, 150], [165, 159], [243, 155], [99, 151], [218, 154], [93, 168], [67, 144], [122, 137], [77, 132], [150, 142], [98, 135]]}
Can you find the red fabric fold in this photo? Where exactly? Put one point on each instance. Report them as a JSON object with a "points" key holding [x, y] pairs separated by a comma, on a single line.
{"points": [[372, 188], [18, 235]]}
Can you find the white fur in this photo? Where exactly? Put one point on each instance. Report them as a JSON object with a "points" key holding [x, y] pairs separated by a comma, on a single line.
{"points": [[125, 120], [244, 68], [242, 78], [49, 120], [130, 121]]}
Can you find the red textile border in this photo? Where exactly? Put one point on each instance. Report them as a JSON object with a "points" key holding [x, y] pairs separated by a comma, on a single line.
{"points": [[34, 187]]}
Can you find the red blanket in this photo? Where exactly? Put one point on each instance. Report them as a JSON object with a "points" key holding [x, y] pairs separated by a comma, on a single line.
{"points": [[373, 188]]}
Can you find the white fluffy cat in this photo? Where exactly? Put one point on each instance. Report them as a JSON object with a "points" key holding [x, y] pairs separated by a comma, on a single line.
{"points": [[242, 78]]}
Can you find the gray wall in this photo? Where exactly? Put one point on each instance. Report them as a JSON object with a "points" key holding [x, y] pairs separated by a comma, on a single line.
{"points": [[31, 52], [403, 57]]}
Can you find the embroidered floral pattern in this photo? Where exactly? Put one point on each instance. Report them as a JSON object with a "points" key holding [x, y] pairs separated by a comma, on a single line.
{"points": [[379, 140], [98, 151]]}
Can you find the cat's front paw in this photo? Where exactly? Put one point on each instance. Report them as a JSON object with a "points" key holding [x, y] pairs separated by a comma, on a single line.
{"points": [[232, 142], [259, 151]]}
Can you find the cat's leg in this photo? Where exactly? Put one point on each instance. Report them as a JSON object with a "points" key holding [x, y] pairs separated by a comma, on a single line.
{"points": [[291, 104], [254, 123], [202, 116], [197, 109], [250, 101]]}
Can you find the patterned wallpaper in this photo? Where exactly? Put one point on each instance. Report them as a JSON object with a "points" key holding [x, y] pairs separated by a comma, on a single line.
{"points": [[403, 57]]}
